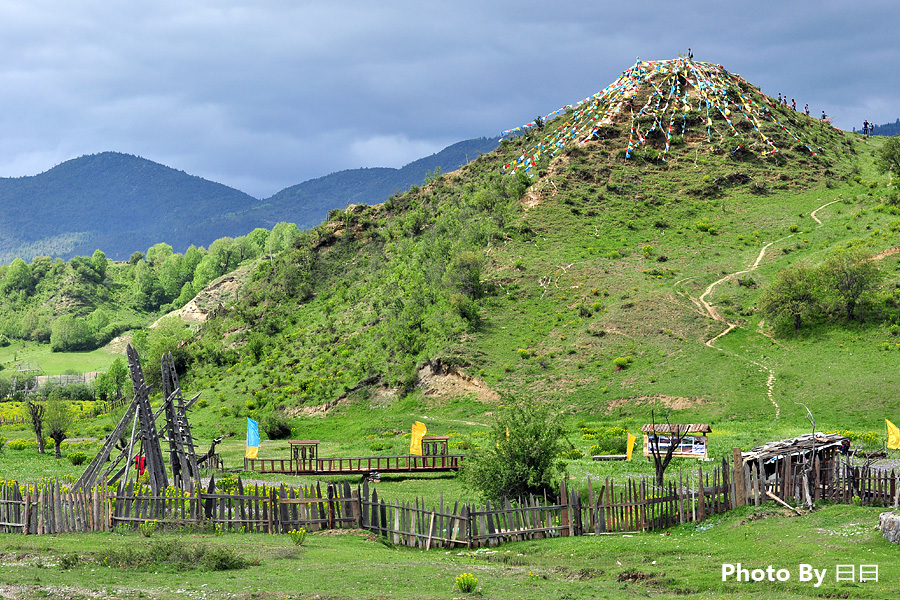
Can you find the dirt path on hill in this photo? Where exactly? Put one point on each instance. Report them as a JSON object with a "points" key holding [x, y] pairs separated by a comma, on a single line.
{"points": [[710, 310]]}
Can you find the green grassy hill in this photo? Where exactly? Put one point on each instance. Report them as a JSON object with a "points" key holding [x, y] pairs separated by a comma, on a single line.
{"points": [[582, 280]]}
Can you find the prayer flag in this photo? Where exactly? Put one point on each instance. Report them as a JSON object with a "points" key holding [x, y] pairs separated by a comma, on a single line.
{"points": [[893, 435], [631, 439], [252, 438], [415, 442]]}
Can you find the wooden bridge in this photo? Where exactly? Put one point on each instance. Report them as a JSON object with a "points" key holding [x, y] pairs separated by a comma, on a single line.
{"points": [[304, 460]]}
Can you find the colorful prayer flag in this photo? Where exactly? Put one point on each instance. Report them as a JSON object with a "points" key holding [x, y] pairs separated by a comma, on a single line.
{"points": [[252, 438], [415, 442], [893, 435], [631, 439]]}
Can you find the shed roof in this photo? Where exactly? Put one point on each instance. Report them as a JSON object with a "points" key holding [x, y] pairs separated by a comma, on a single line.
{"points": [[791, 446], [677, 428]]}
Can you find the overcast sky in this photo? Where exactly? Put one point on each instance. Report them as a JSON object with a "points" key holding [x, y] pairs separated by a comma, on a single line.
{"points": [[263, 95]]}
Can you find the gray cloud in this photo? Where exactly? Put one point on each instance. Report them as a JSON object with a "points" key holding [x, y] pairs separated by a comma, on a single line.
{"points": [[265, 96]]}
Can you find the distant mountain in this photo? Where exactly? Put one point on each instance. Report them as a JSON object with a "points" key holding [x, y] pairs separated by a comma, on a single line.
{"points": [[115, 202], [121, 203], [307, 204]]}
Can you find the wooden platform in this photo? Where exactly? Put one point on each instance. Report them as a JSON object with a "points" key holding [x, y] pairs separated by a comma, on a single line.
{"points": [[357, 465]]}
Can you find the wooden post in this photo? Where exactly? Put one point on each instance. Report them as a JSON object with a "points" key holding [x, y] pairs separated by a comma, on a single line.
{"points": [[701, 496], [740, 489], [564, 520]]}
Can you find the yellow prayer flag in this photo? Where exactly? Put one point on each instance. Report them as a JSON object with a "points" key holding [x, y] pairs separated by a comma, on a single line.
{"points": [[252, 451], [631, 439], [893, 435], [415, 442]]}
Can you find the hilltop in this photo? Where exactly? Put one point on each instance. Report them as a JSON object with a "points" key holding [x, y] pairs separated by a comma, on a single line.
{"points": [[122, 204], [593, 262]]}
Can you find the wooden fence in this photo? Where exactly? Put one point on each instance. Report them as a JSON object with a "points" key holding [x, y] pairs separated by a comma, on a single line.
{"points": [[607, 507]]}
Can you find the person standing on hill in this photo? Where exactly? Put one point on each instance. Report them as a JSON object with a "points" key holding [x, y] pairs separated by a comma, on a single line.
{"points": [[806, 109], [866, 128], [793, 104]]}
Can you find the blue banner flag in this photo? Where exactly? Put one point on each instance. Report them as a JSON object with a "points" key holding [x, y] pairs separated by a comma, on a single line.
{"points": [[252, 438]]}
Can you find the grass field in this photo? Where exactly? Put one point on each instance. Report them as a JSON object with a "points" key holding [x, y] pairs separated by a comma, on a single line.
{"points": [[683, 562], [54, 363]]}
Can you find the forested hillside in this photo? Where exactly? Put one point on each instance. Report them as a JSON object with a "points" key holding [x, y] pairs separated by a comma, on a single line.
{"points": [[85, 302]]}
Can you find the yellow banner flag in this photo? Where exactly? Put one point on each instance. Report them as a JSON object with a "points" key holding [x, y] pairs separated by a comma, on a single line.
{"points": [[631, 439], [893, 435], [415, 442]]}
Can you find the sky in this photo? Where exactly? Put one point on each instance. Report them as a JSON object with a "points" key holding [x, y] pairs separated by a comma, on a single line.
{"points": [[264, 95]]}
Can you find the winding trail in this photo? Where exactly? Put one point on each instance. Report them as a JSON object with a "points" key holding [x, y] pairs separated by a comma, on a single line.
{"points": [[712, 313]]}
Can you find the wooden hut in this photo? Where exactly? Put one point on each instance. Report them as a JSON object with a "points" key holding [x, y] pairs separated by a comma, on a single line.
{"points": [[810, 446], [693, 444]]}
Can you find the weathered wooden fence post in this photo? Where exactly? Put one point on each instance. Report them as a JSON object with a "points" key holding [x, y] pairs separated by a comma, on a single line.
{"points": [[740, 488]]}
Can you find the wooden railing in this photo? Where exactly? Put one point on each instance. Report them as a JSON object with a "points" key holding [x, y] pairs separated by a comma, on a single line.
{"points": [[357, 464]]}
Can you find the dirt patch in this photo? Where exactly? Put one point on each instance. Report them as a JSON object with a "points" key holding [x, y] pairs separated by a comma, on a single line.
{"points": [[118, 343], [634, 576], [671, 402], [218, 292], [884, 254], [312, 411], [437, 380]]}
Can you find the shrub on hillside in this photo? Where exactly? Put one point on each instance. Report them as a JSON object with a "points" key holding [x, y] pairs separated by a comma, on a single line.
{"points": [[276, 427]]}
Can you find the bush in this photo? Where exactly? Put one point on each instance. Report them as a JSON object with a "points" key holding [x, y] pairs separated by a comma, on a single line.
{"points": [[276, 427], [298, 536], [622, 362], [466, 583], [522, 455], [21, 444], [571, 454], [77, 458]]}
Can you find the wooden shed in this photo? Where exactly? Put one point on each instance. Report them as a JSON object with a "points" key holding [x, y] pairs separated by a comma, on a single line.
{"points": [[693, 444], [820, 446]]}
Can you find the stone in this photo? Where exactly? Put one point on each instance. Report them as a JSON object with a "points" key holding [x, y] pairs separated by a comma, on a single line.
{"points": [[889, 524]]}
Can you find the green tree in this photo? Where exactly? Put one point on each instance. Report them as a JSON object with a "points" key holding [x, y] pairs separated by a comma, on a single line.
{"points": [[157, 254], [887, 158], [849, 276], [793, 296], [58, 419], [521, 455], [69, 333], [99, 262], [18, 277]]}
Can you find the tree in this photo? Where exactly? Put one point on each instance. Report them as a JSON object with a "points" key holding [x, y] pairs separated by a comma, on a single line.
{"points": [[59, 417], [675, 435], [849, 275], [69, 333], [792, 296], [98, 260], [521, 455], [18, 277], [36, 420], [887, 159]]}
